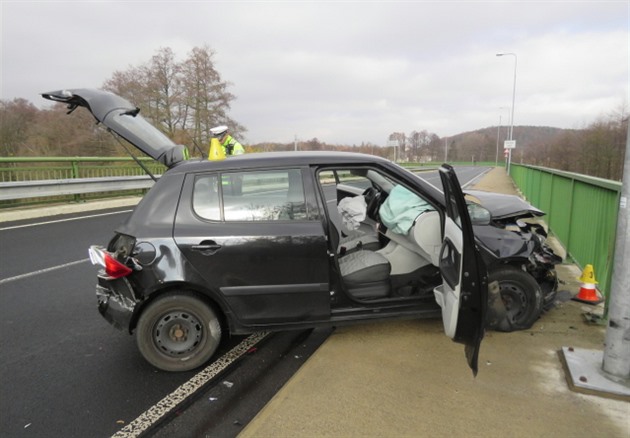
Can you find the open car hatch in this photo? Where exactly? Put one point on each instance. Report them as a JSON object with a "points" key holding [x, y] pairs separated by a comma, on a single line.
{"points": [[124, 119]]}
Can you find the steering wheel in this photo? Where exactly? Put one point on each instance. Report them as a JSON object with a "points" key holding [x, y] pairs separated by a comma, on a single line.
{"points": [[372, 197]]}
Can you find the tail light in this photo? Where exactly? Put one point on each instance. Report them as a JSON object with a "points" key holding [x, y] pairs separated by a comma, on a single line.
{"points": [[113, 268]]}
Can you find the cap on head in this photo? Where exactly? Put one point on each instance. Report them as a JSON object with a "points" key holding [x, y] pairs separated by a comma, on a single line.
{"points": [[219, 130]]}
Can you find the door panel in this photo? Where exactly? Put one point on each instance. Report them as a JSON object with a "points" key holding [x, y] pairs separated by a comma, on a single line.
{"points": [[463, 295], [256, 246]]}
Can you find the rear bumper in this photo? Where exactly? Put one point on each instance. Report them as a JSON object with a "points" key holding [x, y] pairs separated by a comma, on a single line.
{"points": [[116, 301]]}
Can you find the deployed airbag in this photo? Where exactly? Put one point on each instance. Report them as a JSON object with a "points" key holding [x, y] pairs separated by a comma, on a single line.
{"points": [[352, 211], [401, 208]]}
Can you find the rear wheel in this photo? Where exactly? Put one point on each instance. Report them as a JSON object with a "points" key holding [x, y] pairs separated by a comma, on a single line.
{"points": [[178, 332], [521, 296]]}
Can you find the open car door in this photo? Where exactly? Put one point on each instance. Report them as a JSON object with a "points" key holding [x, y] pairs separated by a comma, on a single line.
{"points": [[463, 295]]}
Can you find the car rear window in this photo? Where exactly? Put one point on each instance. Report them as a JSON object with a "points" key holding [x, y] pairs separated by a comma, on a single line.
{"points": [[269, 195]]}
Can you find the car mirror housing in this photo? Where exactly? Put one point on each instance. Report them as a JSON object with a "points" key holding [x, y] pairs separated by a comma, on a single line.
{"points": [[478, 214]]}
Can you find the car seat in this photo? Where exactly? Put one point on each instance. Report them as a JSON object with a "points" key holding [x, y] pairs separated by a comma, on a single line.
{"points": [[427, 234], [365, 273]]}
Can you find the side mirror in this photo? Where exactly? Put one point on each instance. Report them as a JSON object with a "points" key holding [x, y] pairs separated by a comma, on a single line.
{"points": [[478, 214]]}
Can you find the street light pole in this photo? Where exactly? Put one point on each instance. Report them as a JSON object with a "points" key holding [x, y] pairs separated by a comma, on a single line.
{"points": [[513, 99], [446, 149], [496, 158]]}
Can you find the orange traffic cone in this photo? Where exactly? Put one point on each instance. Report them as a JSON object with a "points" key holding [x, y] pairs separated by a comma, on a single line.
{"points": [[588, 292]]}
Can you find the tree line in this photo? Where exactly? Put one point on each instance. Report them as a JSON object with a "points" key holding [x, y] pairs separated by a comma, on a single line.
{"points": [[183, 99], [597, 149], [186, 98]]}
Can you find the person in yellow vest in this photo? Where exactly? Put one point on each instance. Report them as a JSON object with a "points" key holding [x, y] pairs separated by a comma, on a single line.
{"points": [[232, 183], [229, 144]]}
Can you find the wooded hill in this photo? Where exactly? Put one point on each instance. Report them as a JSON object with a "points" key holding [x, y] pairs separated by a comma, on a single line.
{"points": [[482, 143]]}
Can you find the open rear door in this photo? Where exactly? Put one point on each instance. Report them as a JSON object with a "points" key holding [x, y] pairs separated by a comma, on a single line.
{"points": [[463, 294]]}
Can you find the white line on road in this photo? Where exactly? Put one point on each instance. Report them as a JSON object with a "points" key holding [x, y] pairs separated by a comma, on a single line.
{"points": [[43, 271], [151, 416], [476, 178], [65, 220]]}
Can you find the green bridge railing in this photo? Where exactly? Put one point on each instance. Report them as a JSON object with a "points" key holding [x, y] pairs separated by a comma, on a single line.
{"points": [[33, 169], [581, 211]]}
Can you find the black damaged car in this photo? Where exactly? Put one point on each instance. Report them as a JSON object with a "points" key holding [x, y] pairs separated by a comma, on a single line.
{"points": [[278, 241]]}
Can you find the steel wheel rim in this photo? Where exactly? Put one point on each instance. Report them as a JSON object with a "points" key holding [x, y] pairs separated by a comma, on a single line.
{"points": [[514, 298], [178, 333]]}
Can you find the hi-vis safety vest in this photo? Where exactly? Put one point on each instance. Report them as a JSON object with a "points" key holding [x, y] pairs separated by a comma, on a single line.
{"points": [[231, 146]]}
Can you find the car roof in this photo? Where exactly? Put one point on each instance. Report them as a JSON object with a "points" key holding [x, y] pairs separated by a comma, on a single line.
{"points": [[275, 159], [264, 160]]}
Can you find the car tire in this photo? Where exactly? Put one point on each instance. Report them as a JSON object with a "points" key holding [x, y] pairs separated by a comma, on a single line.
{"points": [[178, 332], [521, 296]]}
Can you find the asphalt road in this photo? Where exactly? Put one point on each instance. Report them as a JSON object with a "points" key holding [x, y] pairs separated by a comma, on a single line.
{"points": [[64, 371]]}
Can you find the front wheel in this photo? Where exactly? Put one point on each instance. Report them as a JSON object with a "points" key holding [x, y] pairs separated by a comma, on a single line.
{"points": [[178, 332], [521, 296]]}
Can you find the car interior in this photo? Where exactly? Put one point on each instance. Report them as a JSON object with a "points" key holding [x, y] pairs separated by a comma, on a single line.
{"points": [[377, 259]]}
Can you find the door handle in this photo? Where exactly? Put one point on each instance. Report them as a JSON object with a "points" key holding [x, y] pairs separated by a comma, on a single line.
{"points": [[207, 248]]}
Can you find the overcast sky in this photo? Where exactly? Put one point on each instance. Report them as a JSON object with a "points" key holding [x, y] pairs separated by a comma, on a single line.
{"points": [[343, 72]]}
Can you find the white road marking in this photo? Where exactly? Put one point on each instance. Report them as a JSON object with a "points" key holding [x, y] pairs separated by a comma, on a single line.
{"points": [[151, 416], [43, 271], [64, 220]]}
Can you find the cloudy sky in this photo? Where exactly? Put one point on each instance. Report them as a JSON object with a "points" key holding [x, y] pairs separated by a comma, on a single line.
{"points": [[343, 72]]}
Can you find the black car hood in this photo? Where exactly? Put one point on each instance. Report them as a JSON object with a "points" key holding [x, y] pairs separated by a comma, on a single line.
{"points": [[505, 244], [504, 237], [124, 119], [503, 207]]}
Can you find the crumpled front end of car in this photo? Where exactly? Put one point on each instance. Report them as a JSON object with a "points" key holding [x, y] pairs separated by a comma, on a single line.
{"points": [[515, 235], [542, 262], [522, 243]]}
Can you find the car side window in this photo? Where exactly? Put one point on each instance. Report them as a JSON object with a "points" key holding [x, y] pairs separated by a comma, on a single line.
{"points": [[206, 197], [269, 195], [354, 178]]}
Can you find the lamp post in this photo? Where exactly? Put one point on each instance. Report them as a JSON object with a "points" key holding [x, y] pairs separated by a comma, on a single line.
{"points": [[446, 149], [496, 158], [512, 116]]}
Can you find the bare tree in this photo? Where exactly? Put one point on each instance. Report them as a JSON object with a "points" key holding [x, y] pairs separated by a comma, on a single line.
{"points": [[185, 99], [163, 86], [16, 117], [130, 84], [206, 94]]}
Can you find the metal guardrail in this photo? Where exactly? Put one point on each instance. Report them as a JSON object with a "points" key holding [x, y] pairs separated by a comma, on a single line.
{"points": [[76, 186], [27, 181], [14, 169], [581, 211]]}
